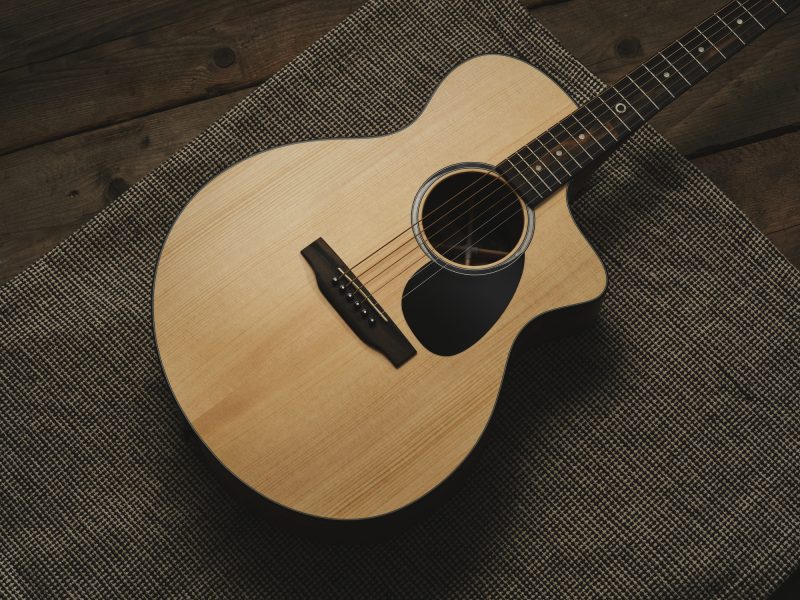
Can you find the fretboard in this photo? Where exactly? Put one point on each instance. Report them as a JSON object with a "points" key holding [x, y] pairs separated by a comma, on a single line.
{"points": [[588, 134]]}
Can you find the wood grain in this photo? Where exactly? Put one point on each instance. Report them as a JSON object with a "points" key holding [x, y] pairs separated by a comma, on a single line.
{"points": [[270, 376], [757, 92], [33, 32], [156, 70], [762, 178], [66, 180]]}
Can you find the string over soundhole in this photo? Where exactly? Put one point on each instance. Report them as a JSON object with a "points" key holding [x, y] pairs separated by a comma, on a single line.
{"points": [[467, 219]]}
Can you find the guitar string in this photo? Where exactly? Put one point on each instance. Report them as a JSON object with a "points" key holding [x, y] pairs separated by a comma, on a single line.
{"points": [[564, 144], [442, 268], [489, 174], [685, 58], [626, 87]]}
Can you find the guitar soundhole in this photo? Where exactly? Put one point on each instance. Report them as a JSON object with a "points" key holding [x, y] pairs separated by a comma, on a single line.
{"points": [[471, 219]]}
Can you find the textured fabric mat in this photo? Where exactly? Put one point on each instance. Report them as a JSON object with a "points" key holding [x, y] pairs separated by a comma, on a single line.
{"points": [[654, 456]]}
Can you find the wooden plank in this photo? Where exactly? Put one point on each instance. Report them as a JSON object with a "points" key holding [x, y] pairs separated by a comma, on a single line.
{"points": [[176, 64], [50, 190], [160, 69], [758, 91], [762, 178], [33, 32]]}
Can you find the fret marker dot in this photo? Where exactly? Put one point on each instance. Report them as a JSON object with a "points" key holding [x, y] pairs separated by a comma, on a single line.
{"points": [[739, 21], [538, 167], [581, 136], [559, 153], [620, 107], [701, 49], [666, 74]]}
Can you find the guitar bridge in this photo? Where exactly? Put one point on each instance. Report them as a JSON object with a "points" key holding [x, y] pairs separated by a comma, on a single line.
{"points": [[358, 295], [357, 307]]}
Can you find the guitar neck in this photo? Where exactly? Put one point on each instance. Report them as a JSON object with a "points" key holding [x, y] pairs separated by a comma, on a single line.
{"points": [[599, 126]]}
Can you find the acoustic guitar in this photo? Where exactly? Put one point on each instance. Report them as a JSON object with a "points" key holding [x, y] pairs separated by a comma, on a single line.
{"points": [[334, 317]]}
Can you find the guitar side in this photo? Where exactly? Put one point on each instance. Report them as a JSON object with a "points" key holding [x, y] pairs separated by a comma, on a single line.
{"points": [[275, 384]]}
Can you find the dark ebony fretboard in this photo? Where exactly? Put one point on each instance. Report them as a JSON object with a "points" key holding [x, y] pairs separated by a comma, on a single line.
{"points": [[588, 134]]}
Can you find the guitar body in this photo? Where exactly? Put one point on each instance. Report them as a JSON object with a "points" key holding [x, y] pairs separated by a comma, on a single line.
{"points": [[277, 385]]}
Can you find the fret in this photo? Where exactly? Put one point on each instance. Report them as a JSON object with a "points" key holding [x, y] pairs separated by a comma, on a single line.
{"points": [[712, 44], [563, 147], [651, 88], [612, 111], [744, 22], [745, 25], [653, 102], [542, 164], [524, 187], [555, 158], [702, 48], [577, 143], [779, 6], [552, 159], [702, 66], [616, 139], [674, 68], [622, 101], [587, 130], [567, 143], [729, 28], [661, 83], [537, 168], [752, 16], [629, 103], [666, 74], [600, 130], [688, 65], [533, 187]]}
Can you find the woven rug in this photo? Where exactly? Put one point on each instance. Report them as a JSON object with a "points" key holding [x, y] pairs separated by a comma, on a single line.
{"points": [[654, 456]]}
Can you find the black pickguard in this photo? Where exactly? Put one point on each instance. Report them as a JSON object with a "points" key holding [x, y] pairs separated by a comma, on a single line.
{"points": [[450, 312]]}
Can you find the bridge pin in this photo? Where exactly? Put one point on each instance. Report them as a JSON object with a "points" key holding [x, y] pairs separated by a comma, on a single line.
{"points": [[349, 296], [371, 321], [364, 312]]}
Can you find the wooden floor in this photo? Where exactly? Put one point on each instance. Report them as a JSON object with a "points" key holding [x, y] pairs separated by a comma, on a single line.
{"points": [[96, 93]]}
